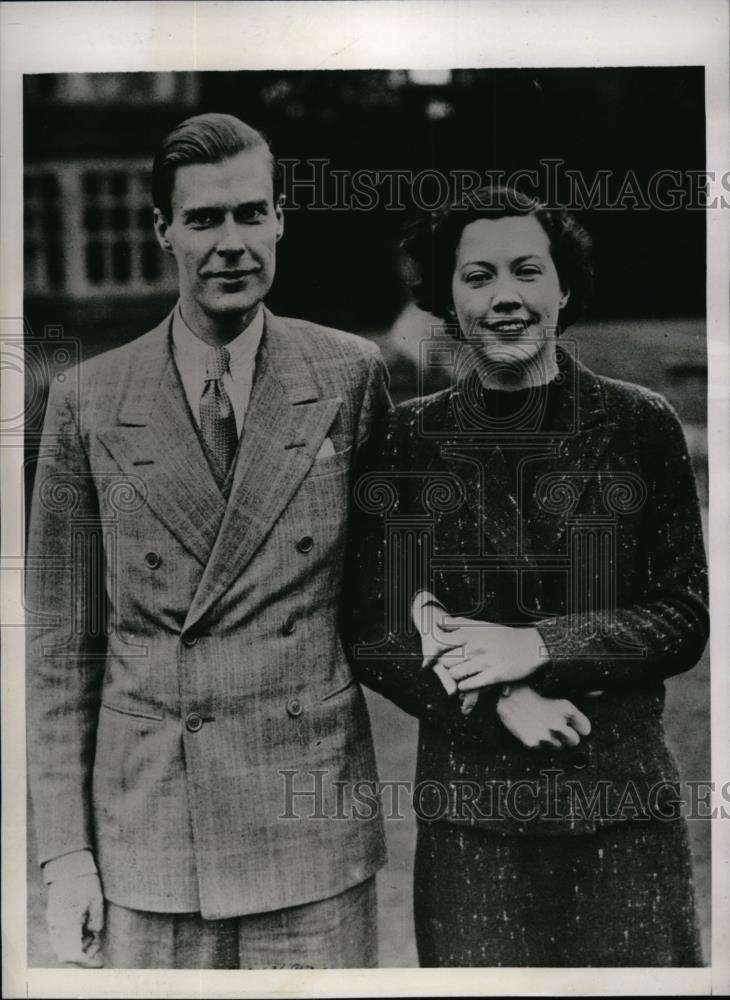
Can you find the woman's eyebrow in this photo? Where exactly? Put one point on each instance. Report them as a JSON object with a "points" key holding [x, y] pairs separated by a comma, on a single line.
{"points": [[516, 260], [526, 256]]}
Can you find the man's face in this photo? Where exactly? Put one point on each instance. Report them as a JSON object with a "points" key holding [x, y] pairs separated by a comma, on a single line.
{"points": [[223, 235]]}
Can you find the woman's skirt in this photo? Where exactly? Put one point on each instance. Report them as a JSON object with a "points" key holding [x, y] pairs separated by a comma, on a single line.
{"points": [[621, 897]]}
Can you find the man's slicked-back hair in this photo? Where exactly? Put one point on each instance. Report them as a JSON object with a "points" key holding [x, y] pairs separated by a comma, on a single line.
{"points": [[208, 138]]}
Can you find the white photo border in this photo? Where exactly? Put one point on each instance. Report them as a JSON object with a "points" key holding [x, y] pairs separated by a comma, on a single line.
{"points": [[315, 35]]}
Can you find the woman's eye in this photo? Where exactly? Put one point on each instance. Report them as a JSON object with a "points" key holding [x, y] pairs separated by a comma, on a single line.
{"points": [[529, 272], [476, 278]]}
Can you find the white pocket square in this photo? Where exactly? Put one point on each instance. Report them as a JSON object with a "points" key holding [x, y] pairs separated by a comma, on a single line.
{"points": [[326, 449]]}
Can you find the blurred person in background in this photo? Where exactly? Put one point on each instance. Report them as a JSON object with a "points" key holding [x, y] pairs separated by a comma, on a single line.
{"points": [[197, 655], [526, 568]]}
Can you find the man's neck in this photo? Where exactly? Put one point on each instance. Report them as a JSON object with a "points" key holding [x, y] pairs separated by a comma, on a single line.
{"points": [[217, 332]]}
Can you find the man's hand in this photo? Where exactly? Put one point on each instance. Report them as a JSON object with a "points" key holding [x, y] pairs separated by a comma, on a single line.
{"points": [[541, 723], [75, 915], [492, 654]]}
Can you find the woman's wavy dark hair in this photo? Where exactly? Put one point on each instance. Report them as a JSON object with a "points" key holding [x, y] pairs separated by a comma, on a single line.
{"points": [[432, 241]]}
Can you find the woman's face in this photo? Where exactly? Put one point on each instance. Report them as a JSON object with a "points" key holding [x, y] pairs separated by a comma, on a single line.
{"points": [[506, 290]]}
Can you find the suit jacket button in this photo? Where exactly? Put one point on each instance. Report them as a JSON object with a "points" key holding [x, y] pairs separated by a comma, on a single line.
{"points": [[189, 639], [579, 760], [194, 723], [305, 544], [153, 559], [294, 707], [289, 625]]}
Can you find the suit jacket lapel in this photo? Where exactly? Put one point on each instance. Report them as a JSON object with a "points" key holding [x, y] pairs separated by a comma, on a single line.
{"points": [[156, 440], [582, 434], [285, 425]]}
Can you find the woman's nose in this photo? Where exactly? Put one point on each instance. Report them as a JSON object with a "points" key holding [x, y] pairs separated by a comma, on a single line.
{"points": [[505, 293]]}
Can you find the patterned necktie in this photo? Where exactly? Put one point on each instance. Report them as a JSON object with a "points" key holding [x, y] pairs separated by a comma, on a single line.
{"points": [[217, 420]]}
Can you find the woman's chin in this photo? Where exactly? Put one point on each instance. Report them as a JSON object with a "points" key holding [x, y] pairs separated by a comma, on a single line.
{"points": [[512, 360]]}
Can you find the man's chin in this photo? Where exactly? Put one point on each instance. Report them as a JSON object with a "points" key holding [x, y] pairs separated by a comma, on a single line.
{"points": [[230, 307]]}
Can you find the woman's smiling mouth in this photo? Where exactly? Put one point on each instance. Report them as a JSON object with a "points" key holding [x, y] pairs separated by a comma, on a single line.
{"points": [[506, 327]]}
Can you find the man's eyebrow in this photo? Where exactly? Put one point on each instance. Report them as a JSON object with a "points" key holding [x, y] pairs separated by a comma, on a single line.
{"points": [[191, 212]]}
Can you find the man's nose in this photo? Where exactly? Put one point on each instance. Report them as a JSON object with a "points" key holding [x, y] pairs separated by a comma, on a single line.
{"points": [[231, 239]]}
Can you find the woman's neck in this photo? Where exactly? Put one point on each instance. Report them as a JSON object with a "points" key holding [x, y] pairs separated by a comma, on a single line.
{"points": [[540, 369]]}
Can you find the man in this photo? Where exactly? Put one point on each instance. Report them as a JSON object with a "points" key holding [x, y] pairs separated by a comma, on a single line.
{"points": [[185, 549]]}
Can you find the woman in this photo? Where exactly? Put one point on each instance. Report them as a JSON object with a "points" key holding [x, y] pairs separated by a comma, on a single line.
{"points": [[528, 568]]}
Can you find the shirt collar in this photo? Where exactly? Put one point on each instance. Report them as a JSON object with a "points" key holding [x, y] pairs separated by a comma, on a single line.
{"points": [[191, 350]]}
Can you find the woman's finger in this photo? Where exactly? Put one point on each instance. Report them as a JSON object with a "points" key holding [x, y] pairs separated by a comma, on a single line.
{"points": [[579, 722], [443, 675], [550, 744], [483, 678], [441, 655], [567, 736], [468, 701], [464, 668]]}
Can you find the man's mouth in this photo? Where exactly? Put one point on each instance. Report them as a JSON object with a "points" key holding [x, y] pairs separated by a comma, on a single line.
{"points": [[231, 275]]}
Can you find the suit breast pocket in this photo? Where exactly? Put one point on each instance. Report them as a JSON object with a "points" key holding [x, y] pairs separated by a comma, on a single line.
{"points": [[338, 462]]}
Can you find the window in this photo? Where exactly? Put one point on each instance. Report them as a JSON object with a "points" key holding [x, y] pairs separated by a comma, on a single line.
{"points": [[138, 89], [88, 230]]}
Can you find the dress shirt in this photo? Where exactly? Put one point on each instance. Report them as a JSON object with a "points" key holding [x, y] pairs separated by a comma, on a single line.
{"points": [[190, 352]]}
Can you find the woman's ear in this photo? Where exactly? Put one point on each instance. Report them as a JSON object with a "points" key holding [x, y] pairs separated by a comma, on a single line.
{"points": [[563, 301]]}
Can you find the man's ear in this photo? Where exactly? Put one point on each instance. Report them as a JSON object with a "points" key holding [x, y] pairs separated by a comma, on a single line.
{"points": [[161, 226], [279, 212]]}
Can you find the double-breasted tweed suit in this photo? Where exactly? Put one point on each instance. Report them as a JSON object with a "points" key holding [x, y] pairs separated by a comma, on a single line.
{"points": [[584, 523], [185, 648]]}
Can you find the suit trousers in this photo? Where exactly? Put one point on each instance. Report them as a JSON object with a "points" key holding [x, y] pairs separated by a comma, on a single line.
{"points": [[339, 932]]}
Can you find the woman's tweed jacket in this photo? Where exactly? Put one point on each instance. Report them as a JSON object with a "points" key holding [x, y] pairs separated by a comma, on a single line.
{"points": [[600, 545]]}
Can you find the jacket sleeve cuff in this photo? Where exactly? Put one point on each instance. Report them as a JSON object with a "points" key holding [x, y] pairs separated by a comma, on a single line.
{"points": [[71, 865]]}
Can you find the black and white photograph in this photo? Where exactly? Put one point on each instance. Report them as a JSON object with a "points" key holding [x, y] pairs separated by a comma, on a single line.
{"points": [[364, 481]]}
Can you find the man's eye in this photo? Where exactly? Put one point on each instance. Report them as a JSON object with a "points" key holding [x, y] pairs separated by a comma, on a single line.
{"points": [[202, 219], [251, 213]]}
